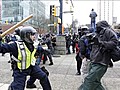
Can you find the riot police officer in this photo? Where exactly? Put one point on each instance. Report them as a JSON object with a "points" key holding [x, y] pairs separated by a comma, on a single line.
{"points": [[23, 53]]}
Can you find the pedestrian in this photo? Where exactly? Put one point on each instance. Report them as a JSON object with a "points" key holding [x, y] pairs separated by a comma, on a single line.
{"points": [[39, 54], [85, 49], [104, 40], [49, 51], [81, 47], [74, 40], [53, 40], [23, 52], [78, 59], [84, 53], [68, 43], [93, 16]]}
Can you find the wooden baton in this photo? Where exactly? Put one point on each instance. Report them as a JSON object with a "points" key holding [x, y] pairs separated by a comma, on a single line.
{"points": [[15, 26]]}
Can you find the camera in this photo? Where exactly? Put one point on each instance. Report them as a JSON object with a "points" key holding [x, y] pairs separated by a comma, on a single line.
{"points": [[92, 37]]}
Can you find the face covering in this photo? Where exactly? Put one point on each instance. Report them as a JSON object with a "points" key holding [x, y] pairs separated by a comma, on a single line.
{"points": [[98, 29]]}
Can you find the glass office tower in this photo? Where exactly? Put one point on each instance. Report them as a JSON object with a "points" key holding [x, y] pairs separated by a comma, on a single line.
{"points": [[15, 10]]}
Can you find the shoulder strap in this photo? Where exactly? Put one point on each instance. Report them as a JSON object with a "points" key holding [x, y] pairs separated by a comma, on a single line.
{"points": [[22, 48], [23, 53]]}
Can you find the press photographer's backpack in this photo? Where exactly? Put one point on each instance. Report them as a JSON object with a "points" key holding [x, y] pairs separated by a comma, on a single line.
{"points": [[115, 54]]}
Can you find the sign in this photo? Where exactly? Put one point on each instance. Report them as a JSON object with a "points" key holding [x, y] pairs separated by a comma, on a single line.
{"points": [[50, 25]]}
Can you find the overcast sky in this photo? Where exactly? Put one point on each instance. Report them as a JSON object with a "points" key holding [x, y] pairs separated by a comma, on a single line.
{"points": [[82, 9]]}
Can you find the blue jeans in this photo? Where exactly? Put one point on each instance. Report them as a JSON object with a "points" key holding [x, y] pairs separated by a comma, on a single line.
{"points": [[93, 25], [38, 61]]}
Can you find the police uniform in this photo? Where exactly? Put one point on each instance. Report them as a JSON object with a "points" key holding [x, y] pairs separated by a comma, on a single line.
{"points": [[23, 53]]}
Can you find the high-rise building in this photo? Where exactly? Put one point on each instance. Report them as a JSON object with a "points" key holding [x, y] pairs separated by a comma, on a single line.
{"points": [[11, 10], [15, 10]]}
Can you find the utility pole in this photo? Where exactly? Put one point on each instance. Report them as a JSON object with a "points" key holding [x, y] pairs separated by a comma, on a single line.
{"points": [[61, 16]]}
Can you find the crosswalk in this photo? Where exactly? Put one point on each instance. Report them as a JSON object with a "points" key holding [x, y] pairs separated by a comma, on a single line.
{"points": [[5, 87]]}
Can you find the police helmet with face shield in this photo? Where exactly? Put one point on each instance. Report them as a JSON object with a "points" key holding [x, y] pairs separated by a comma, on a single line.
{"points": [[26, 32]]}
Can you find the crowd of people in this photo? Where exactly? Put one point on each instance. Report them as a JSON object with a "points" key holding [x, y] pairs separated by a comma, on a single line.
{"points": [[92, 46], [93, 53]]}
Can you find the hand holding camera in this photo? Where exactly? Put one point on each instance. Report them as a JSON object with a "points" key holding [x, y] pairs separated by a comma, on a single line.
{"points": [[96, 41], [93, 39]]}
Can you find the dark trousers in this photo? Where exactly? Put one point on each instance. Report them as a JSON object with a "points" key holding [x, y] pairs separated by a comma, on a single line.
{"points": [[48, 54], [92, 80], [79, 62], [93, 25], [68, 50], [35, 72], [73, 47]]}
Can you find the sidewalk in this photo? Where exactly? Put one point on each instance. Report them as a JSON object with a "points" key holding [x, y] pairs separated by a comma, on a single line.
{"points": [[62, 75]]}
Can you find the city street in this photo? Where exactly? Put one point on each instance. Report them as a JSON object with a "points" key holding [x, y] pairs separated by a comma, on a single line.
{"points": [[62, 74]]}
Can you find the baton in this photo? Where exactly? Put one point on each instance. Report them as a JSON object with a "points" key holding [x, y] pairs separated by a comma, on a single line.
{"points": [[15, 26]]}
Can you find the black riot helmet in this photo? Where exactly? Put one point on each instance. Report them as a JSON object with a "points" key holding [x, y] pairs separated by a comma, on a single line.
{"points": [[17, 30], [25, 33]]}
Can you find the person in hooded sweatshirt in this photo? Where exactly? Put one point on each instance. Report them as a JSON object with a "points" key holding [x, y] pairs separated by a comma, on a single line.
{"points": [[104, 41]]}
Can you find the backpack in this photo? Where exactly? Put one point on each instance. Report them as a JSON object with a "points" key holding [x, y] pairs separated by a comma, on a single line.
{"points": [[115, 54], [87, 46], [88, 50]]}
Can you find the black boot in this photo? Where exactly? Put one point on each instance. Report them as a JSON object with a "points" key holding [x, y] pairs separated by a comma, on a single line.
{"points": [[51, 63], [78, 73], [31, 86]]}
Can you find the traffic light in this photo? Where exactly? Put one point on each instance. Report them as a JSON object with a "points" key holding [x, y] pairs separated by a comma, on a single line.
{"points": [[6, 21], [53, 10], [58, 20]]}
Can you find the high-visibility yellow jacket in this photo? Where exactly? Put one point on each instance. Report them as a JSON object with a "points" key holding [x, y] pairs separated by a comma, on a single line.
{"points": [[25, 57]]}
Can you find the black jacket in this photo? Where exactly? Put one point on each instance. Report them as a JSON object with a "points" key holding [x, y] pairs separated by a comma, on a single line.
{"points": [[101, 53]]}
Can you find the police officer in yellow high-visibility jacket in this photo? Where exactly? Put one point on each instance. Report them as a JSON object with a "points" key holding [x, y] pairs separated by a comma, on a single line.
{"points": [[23, 53]]}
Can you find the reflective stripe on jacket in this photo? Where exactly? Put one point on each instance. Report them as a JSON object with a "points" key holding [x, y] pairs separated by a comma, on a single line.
{"points": [[25, 56]]}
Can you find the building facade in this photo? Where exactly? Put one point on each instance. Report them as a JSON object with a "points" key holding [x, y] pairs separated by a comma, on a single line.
{"points": [[14, 11]]}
